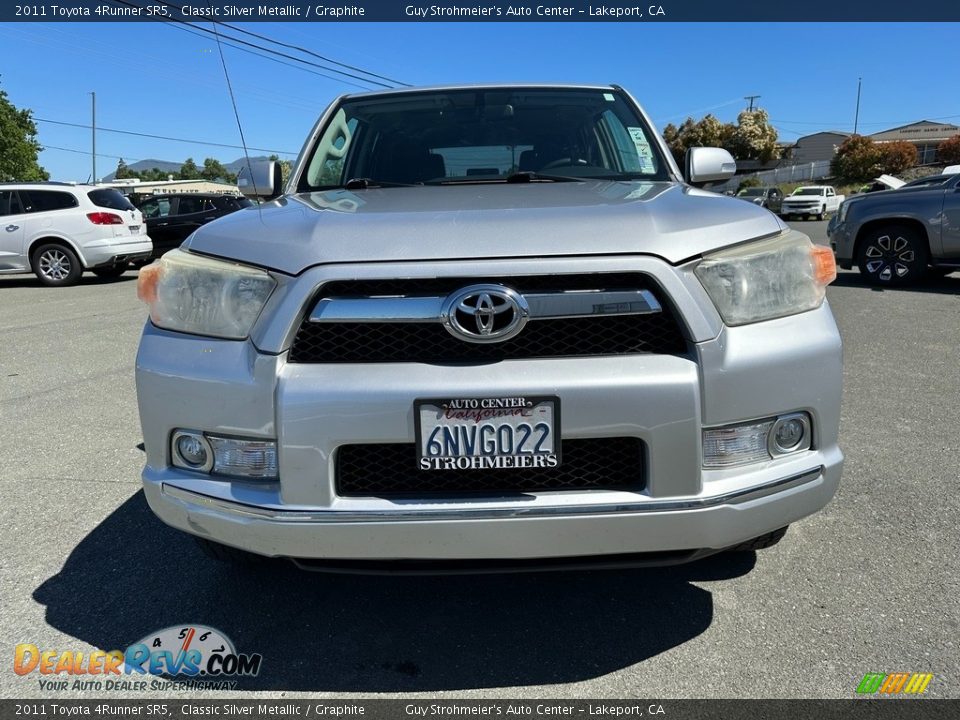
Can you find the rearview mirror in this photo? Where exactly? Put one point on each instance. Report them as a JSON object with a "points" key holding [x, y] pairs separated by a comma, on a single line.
{"points": [[706, 164], [262, 179]]}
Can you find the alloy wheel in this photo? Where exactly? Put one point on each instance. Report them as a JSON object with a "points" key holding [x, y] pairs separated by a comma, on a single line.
{"points": [[55, 265], [890, 256]]}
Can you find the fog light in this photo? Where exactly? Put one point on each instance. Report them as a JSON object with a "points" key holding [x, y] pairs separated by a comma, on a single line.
{"points": [[791, 433], [756, 441], [191, 451], [256, 459], [736, 444]]}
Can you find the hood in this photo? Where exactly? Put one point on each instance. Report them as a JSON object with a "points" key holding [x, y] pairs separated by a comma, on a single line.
{"points": [[477, 221]]}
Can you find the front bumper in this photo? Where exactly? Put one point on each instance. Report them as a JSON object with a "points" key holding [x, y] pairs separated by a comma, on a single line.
{"points": [[729, 375], [636, 525], [788, 210], [842, 242]]}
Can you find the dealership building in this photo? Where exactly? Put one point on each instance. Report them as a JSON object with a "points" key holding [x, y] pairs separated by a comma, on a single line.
{"points": [[925, 135]]}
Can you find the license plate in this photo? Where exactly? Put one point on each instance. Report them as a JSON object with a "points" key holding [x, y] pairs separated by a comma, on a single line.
{"points": [[134, 229], [496, 433]]}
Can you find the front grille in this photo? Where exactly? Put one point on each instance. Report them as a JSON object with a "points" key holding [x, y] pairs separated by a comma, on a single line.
{"points": [[592, 335], [391, 469]]}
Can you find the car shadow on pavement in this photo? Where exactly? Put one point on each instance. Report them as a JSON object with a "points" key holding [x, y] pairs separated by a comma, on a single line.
{"points": [[349, 633], [949, 285], [19, 281]]}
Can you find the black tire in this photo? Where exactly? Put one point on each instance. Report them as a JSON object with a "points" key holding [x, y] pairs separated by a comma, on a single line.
{"points": [[892, 255], [823, 212], [56, 265], [760, 543], [227, 554], [110, 273]]}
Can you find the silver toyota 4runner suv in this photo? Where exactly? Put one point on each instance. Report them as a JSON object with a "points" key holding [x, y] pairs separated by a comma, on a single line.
{"points": [[489, 327]]}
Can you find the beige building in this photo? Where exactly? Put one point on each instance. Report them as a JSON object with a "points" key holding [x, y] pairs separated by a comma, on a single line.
{"points": [[926, 135], [817, 147]]}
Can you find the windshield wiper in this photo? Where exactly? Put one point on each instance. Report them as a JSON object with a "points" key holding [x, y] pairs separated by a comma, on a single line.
{"points": [[525, 176], [364, 183]]}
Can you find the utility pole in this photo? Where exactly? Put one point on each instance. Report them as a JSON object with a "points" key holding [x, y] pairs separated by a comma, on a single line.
{"points": [[751, 98], [856, 117], [93, 133]]}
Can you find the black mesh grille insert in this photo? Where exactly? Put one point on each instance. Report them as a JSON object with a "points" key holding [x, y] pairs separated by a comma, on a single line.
{"points": [[430, 343], [391, 469]]}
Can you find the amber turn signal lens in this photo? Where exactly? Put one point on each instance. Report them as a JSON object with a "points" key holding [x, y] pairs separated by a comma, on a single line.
{"points": [[824, 266], [147, 283]]}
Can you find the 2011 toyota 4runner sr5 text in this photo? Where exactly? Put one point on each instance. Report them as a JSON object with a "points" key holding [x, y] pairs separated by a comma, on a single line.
{"points": [[489, 326]]}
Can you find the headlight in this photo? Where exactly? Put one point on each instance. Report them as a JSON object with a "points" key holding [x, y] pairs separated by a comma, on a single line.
{"points": [[194, 294], [767, 279], [842, 212]]}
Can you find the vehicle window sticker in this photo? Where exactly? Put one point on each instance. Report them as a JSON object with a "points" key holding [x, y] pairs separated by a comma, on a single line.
{"points": [[644, 152]]}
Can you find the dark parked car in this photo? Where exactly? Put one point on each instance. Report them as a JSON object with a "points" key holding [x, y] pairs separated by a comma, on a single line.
{"points": [[769, 197], [171, 218], [896, 236]]}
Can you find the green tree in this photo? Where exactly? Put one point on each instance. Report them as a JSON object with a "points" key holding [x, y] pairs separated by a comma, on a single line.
{"points": [[189, 170], [897, 156], [154, 174], [18, 144], [857, 159], [949, 150], [706, 132], [214, 170], [753, 138], [123, 172]]}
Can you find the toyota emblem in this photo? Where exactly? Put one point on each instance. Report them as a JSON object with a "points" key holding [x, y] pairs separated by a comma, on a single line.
{"points": [[485, 313]]}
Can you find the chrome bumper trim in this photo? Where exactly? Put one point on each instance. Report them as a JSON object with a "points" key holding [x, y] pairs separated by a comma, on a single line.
{"points": [[403, 515]]}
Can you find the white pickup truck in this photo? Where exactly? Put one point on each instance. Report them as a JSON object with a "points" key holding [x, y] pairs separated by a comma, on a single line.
{"points": [[811, 200]]}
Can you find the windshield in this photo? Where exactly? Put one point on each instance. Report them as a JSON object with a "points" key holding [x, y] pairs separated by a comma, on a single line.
{"points": [[808, 191], [752, 192], [929, 181], [461, 136]]}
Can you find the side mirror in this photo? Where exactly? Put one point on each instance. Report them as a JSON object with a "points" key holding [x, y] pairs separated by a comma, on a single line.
{"points": [[702, 165], [262, 179]]}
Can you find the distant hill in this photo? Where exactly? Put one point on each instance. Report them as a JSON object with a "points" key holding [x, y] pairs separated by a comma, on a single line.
{"points": [[174, 167]]}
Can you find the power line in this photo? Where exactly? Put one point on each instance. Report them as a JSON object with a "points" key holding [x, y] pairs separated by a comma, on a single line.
{"points": [[163, 137], [260, 47], [271, 59], [290, 46], [87, 152]]}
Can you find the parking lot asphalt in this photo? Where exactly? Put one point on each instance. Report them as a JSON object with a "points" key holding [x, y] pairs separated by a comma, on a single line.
{"points": [[868, 585]]}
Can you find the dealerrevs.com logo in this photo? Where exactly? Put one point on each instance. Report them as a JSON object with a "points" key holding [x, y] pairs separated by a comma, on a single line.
{"points": [[182, 656], [894, 683]]}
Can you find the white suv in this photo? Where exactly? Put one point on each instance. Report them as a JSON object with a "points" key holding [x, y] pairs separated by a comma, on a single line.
{"points": [[58, 230]]}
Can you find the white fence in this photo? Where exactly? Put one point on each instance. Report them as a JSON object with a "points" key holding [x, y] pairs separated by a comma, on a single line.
{"points": [[786, 174]]}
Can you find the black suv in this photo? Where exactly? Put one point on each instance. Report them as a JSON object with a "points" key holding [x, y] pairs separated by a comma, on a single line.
{"points": [[171, 218]]}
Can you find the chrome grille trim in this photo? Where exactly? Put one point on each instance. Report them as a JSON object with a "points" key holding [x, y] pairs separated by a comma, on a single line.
{"points": [[544, 306]]}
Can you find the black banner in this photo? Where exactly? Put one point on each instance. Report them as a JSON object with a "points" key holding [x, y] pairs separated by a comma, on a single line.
{"points": [[481, 11]]}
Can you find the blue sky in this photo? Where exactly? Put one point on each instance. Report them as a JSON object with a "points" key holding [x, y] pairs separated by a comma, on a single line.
{"points": [[156, 78]]}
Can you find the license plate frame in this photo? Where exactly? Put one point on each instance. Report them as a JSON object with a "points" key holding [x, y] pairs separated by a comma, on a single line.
{"points": [[540, 409]]}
